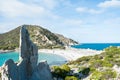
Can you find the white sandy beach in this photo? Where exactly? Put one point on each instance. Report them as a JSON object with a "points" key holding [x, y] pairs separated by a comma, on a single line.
{"points": [[71, 53]]}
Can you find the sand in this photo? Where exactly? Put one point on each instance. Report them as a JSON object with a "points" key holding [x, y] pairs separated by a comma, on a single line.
{"points": [[71, 53]]}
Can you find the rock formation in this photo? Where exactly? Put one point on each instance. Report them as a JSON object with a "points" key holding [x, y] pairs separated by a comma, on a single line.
{"points": [[26, 68]]}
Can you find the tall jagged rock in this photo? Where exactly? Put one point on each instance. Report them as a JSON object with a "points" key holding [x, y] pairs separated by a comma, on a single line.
{"points": [[27, 68], [28, 55]]}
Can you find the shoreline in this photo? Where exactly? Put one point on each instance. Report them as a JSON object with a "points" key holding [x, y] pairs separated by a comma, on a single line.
{"points": [[6, 51], [70, 53]]}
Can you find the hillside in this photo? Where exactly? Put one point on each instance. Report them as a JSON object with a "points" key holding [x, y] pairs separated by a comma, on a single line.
{"points": [[43, 38], [66, 41], [104, 66]]}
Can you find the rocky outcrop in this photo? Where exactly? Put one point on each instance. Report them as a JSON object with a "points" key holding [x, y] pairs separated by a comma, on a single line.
{"points": [[42, 70], [27, 68], [9, 71]]}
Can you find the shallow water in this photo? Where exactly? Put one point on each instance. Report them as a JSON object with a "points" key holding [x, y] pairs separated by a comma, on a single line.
{"points": [[52, 59]]}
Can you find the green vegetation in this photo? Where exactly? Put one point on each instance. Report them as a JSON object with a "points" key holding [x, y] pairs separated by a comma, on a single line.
{"points": [[65, 67], [60, 71], [104, 75], [84, 71], [100, 66], [71, 78], [43, 38]]}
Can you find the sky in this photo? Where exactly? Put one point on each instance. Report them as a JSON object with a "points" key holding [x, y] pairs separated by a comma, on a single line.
{"points": [[86, 21]]}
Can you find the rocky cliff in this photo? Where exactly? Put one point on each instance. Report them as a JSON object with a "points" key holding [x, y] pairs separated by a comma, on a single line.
{"points": [[27, 68], [43, 38]]}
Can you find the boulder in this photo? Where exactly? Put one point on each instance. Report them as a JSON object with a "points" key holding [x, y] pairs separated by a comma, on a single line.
{"points": [[9, 71], [42, 72]]}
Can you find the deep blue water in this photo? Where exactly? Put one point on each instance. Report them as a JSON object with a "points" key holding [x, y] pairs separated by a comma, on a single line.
{"points": [[95, 46], [52, 59]]}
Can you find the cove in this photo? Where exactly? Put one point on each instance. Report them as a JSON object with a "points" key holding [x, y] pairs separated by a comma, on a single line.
{"points": [[52, 59]]}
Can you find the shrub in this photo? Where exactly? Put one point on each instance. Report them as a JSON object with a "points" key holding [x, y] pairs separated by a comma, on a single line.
{"points": [[96, 76], [60, 71], [103, 75], [84, 71], [71, 78], [65, 67]]}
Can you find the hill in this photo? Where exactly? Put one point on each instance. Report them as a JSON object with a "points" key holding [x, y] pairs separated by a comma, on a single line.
{"points": [[104, 66], [43, 38]]}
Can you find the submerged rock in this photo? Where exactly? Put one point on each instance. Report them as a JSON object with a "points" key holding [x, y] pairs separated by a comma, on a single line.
{"points": [[26, 68]]}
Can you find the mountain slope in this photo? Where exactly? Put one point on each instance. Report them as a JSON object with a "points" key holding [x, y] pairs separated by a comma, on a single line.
{"points": [[40, 36], [66, 41]]}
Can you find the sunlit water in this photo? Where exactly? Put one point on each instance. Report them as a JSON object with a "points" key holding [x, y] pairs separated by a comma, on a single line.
{"points": [[52, 59], [95, 46]]}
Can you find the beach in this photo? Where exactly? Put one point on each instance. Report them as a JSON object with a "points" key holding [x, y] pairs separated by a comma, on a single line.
{"points": [[71, 53]]}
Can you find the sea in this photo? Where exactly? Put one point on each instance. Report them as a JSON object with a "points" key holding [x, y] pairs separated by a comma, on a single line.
{"points": [[95, 46], [52, 59]]}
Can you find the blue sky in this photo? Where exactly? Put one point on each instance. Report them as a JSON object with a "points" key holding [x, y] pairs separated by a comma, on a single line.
{"points": [[82, 20]]}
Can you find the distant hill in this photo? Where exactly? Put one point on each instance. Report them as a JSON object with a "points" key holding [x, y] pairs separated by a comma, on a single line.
{"points": [[43, 38]]}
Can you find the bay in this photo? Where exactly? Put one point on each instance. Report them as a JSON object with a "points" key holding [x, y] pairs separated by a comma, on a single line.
{"points": [[52, 59]]}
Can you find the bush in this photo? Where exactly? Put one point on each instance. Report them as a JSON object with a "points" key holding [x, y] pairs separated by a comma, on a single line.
{"points": [[65, 67], [60, 71], [71, 78], [84, 71], [103, 75], [96, 76]]}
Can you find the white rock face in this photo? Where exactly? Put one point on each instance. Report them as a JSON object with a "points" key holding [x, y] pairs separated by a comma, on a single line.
{"points": [[42, 72], [27, 68]]}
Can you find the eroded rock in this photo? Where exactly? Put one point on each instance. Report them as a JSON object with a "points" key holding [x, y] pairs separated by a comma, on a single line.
{"points": [[42, 72], [26, 68]]}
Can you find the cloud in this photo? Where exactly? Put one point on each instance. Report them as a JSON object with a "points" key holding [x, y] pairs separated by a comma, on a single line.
{"points": [[110, 3], [101, 7], [87, 10], [73, 22], [50, 4], [14, 8], [81, 9]]}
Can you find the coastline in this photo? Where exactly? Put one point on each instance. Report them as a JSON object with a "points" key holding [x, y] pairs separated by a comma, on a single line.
{"points": [[71, 53], [6, 51]]}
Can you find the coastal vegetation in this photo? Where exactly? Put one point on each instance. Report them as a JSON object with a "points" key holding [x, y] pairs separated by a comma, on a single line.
{"points": [[104, 66], [62, 72], [43, 38]]}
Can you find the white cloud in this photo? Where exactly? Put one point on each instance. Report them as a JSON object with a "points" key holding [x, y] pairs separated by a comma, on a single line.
{"points": [[110, 3], [87, 10], [50, 4], [73, 22], [81, 9], [93, 11], [14, 8]]}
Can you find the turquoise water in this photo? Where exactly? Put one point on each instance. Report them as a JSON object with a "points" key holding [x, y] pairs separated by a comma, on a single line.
{"points": [[95, 46], [52, 59]]}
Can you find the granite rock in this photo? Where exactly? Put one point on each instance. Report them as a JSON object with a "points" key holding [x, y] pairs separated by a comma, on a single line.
{"points": [[26, 68]]}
